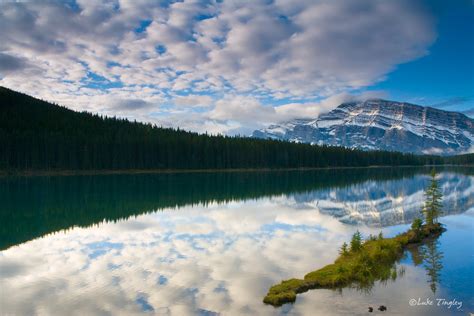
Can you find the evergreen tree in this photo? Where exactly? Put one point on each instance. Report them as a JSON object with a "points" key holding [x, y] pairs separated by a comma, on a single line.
{"points": [[433, 203], [344, 250], [356, 241], [416, 226]]}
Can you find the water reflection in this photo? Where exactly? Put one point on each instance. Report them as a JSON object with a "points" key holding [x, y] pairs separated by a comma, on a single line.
{"points": [[438, 272], [432, 259], [205, 258], [33, 207], [218, 258], [427, 255], [387, 203]]}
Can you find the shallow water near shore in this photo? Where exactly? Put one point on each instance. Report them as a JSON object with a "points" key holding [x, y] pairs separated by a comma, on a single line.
{"points": [[206, 244]]}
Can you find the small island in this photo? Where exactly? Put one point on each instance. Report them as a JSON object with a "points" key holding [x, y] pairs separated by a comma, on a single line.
{"points": [[363, 262]]}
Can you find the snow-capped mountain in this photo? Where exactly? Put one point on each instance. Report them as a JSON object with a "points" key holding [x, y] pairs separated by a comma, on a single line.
{"points": [[382, 124]]}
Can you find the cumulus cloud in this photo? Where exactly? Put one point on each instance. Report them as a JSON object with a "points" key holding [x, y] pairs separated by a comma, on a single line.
{"points": [[193, 101], [10, 64], [248, 113], [241, 109], [314, 109], [202, 54], [131, 104]]}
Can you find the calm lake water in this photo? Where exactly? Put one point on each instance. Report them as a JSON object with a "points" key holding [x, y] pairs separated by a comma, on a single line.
{"points": [[213, 243]]}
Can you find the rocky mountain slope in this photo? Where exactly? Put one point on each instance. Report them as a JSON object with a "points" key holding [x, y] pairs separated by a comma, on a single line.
{"points": [[382, 124]]}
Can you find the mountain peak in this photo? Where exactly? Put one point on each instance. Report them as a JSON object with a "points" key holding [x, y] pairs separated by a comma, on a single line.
{"points": [[375, 124]]}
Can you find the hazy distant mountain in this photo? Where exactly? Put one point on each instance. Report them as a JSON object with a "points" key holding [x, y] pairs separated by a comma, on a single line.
{"points": [[381, 124]]}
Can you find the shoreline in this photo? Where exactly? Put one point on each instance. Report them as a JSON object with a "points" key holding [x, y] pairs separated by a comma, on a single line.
{"points": [[71, 172]]}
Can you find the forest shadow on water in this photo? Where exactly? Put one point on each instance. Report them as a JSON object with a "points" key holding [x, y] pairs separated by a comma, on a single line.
{"points": [[35, 206]]}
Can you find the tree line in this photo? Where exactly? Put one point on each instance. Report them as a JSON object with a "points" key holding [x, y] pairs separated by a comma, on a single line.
{"points": [[38, 135]]}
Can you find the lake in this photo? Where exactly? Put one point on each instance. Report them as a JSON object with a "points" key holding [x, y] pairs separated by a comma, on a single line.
{"points": [[213, 243]]}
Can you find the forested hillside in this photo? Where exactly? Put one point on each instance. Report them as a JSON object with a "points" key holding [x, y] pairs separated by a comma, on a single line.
{"points": [[466, 159], [37, 135]]}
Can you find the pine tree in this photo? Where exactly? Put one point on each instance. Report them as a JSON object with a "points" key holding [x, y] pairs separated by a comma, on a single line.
{"points": [[344, 251], [433, 202], [356, 242], [416, 227], [416, 224]]}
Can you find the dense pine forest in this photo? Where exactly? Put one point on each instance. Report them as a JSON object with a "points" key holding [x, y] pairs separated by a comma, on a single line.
{"points": [[466, 159], [37, 135]]}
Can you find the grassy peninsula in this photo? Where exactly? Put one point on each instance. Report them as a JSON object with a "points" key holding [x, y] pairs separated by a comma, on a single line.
{"points": [[362, 264]]}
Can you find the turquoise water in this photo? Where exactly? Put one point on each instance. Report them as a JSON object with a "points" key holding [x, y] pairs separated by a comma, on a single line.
{"points": [[207, 244]]}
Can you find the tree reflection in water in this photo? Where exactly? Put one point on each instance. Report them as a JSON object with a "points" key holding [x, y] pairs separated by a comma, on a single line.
{"points": [[426, 254], [429, 255]]}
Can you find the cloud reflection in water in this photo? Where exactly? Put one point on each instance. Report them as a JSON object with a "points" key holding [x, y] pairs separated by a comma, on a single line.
{"points": [[218, 258]]}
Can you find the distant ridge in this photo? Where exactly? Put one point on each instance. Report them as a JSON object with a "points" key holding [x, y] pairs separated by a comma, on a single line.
{"points": [[378, 124]]}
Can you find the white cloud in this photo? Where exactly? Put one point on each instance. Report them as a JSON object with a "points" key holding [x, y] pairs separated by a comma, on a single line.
{"points": [[241, 108], [193, 101], [248, 113], [314, 109], [259, 52]]}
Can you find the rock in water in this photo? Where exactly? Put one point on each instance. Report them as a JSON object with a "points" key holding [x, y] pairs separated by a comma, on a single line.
{"points": [[382, 308]]}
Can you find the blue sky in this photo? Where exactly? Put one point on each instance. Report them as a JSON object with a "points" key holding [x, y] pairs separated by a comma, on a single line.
{"points": [[443, 78], [231, 67]]}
